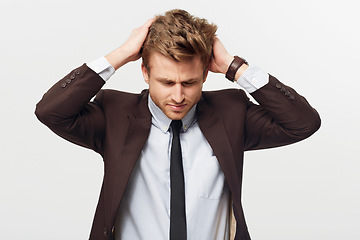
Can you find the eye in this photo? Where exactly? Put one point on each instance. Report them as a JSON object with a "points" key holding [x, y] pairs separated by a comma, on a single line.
{"points": [[167, 83], [187, 84]]}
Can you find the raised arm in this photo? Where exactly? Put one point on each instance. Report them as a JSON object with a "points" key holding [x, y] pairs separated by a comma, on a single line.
{"points": [[66, 108], [282, 117]]}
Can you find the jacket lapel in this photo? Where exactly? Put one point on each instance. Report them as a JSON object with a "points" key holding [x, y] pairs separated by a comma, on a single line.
{"points": [[139, 123], [213, 128]]}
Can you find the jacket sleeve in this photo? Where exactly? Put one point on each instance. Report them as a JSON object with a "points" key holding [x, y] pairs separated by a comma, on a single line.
{"points": [[283, 117], [66, 108]]}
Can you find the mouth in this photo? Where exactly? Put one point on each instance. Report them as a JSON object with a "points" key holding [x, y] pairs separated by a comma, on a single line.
{"points": [[177, 108]]}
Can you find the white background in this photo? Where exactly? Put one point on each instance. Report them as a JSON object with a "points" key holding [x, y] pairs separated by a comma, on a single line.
{"points": [[309, 190]]}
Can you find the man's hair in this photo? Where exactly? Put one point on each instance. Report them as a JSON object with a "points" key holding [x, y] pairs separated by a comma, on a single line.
{"points": [[180, 36]]}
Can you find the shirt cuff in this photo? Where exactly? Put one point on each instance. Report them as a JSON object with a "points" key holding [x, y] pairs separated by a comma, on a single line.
{"points": [[253, 78], [102, 67]]}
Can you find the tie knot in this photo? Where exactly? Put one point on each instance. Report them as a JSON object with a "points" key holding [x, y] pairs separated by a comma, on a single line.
{"points": [[176, 126]]}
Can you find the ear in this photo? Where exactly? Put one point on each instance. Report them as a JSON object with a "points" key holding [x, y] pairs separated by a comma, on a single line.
{"points": [[145, 73], [205, 74]]}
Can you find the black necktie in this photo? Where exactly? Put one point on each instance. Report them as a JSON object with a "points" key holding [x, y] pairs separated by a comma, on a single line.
{"points": [[177, 199]]}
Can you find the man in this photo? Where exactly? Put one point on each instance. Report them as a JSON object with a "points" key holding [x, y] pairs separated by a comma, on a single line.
{"points": [[146, 193]]}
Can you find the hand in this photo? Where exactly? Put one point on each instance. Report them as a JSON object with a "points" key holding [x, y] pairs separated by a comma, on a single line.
{"points": [[221, 59], [130, 50], [136, 40]]}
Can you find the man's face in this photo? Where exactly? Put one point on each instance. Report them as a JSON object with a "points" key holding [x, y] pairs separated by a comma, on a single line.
{"points": [[175, 87]]}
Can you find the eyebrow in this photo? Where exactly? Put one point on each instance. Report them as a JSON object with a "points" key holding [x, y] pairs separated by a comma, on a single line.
{"points": [[164, 79]]}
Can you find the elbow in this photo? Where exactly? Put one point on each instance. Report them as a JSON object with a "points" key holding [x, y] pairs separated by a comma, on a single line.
{"points": [[313, 124], [317, 123], [305, 126], [42, 114]]}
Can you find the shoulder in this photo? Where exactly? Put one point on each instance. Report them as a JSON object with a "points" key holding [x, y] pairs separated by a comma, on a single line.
{"points": [[110, 97], [227, 104], [224, 97]]}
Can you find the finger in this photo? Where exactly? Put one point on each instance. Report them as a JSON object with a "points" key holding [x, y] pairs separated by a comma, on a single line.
{"points": [[149, 22]]}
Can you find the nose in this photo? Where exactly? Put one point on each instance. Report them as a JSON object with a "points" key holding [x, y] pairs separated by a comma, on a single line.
{"points": [[178, 93]]}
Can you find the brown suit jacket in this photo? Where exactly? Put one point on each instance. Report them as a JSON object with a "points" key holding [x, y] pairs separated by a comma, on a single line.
{"points": [[116, 125]]}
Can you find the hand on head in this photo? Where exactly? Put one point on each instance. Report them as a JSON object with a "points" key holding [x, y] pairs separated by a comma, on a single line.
{"points": [[136, 40], [130, 50], [221, 59]]}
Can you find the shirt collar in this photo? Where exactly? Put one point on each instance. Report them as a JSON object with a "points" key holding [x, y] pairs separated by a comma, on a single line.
{"points": [[161, 121]]}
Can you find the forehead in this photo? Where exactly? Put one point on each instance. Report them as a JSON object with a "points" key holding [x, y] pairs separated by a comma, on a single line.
{"points": [[168, 68]]}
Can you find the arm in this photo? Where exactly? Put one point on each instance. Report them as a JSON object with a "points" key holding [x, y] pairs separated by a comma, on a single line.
{"points": [[66, 108], [283, 116]]}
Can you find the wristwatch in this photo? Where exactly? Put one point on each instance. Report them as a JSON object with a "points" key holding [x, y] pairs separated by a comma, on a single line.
{"points": [[234, 66]]}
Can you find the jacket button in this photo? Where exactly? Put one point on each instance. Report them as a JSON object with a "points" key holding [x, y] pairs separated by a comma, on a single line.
{"points": [[63, 85], [77, 72], [291, 97], [287, 93], [278, 85], [106, 232], [72, 77], [68, 81], [283, 89]]}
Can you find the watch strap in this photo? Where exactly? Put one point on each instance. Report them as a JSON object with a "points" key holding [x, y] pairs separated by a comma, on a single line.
{"points": [[234, 66]]}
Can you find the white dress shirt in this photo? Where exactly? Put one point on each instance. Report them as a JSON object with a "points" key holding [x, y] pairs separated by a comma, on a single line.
{"points": [[144, 212], [145, 208]]}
